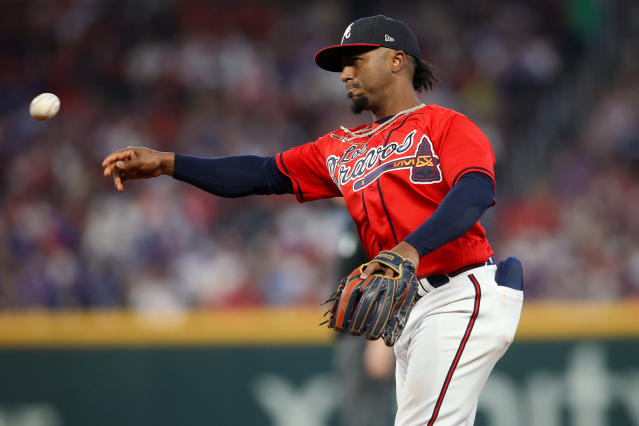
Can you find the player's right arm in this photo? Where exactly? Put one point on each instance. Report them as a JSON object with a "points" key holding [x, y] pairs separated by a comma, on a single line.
{"points": [[234, 176], [300, 170]]}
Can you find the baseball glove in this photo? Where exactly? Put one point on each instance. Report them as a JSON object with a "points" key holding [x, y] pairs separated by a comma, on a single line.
{"points": [[376, 306]]}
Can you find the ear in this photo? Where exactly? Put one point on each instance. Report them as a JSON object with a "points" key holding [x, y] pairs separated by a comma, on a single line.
{"points": [[399, 60]]}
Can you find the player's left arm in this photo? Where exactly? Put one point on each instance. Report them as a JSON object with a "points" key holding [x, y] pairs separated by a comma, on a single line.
{"points": [[467, 162], [462, 207]]}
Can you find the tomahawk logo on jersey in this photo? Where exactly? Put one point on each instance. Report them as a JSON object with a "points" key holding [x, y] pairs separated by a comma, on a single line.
{"points": [[432, 148]]}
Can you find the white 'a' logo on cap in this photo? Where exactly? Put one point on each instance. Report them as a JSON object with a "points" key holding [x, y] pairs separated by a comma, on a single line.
{"points": [[347, 33]]}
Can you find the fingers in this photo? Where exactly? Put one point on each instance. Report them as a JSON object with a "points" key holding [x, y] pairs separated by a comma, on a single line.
{"points": [[133, 163], [124, 154], [119, 169], [368, 270], [376, 267], [109, 169], [123, 170], [117, 181], [115, 164], [109, 163]]}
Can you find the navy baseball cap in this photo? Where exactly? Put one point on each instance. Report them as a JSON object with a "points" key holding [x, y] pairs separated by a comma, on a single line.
{"points": [[374, 31]]}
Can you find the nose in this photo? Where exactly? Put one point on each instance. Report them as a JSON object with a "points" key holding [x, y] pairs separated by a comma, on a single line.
{"points": [[347, 73]]}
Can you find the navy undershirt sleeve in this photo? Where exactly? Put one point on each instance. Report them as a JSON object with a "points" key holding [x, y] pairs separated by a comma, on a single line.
{"points": [[464, 204], [234, 176]]}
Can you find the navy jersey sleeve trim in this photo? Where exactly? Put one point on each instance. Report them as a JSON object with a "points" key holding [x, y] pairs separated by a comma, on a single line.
{"points": [[460, 209], [474, 169], [235, 176], [297, 184]]}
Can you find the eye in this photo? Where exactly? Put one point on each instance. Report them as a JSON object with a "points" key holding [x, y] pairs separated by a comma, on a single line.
{"points": [[348, 61]]}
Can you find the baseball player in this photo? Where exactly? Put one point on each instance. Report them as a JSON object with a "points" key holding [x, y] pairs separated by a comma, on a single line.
{"points": [[415, 180]]}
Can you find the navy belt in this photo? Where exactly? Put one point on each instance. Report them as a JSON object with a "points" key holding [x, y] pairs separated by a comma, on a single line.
{"points": [[439, 280]]}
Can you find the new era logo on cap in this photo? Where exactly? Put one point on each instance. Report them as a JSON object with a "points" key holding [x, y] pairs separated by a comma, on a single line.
{"points": [[374, 31]]}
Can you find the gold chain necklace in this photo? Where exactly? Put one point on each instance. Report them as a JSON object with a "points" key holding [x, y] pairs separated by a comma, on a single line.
{"points": [[369, 131]]}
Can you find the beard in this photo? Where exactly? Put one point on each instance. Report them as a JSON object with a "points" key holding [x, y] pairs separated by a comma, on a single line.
{"points": [[359, 104]]}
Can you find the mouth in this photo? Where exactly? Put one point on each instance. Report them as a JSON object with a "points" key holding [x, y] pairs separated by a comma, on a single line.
{"points": [[351, 93]]}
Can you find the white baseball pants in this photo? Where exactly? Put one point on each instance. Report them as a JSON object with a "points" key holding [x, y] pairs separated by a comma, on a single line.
{"points": [[453, 337]]}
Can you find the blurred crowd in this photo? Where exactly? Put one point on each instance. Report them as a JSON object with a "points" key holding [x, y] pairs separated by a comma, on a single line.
{"points": [[578, 228], [215, 79]]}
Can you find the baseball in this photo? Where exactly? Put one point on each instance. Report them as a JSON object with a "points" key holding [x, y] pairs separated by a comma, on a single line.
{"points": [[44, 106]]}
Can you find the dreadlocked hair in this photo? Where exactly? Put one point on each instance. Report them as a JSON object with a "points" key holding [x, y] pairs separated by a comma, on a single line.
{"points": [[423, 77]]}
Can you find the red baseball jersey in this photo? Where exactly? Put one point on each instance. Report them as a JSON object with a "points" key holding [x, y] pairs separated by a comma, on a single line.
{"points": [[394, 180]]}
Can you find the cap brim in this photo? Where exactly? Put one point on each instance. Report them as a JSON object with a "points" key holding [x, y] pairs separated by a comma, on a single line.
{"points": [[330, 58]]}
